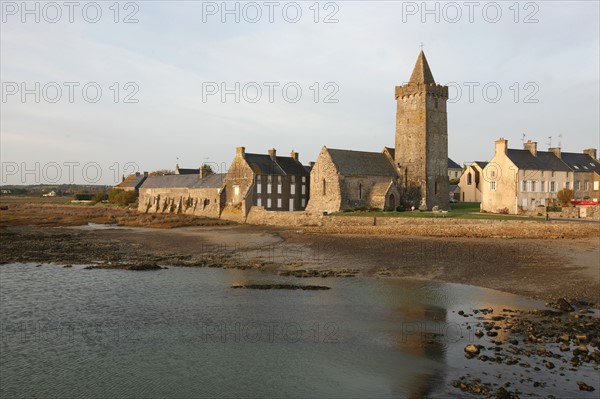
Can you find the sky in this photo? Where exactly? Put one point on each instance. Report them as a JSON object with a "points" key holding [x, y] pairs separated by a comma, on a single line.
{"points": [[100, 89]]}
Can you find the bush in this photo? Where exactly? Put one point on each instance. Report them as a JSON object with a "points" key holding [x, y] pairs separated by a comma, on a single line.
{"points": [[565, 196], [554, 209], [122, 197], [503, 211], [84, 196], [99, 197]]}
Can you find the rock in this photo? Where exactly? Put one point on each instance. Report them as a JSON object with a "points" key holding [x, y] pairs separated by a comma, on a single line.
{"points": [[472, 349], [67, 266], [565, 347], [461, 312], [563, 305], [549, 365], [502, 393], [584, 387], [581, 349], [478, 333]]}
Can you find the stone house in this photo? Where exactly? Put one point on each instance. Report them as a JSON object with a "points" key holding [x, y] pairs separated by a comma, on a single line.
{"points": [[518, 181], [454, 170], [200, 194], [345, 179], [273, 182], [471, 182], [132, 182]]}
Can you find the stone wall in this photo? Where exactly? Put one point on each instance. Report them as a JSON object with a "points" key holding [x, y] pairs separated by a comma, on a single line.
{"points": [[199, 201], [258, 215], [325, 190]]}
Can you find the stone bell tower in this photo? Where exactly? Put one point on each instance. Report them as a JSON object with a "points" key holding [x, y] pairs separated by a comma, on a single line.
{"points": [[422, 135]]}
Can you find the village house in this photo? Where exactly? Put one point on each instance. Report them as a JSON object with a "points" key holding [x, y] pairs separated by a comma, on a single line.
{"points": [[132, 182], [454, 170], [275, 183], [201, 194], [518, 181], [471, 182]]}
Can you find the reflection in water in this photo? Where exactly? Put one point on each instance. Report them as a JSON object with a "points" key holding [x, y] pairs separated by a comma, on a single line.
{"points": [[183, 332]]}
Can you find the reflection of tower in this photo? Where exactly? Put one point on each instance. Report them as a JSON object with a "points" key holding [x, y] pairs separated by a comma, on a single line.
{"points": [[422, 135]]}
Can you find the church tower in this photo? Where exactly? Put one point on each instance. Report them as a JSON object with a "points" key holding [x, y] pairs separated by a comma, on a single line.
{"points": [[422, 135]]}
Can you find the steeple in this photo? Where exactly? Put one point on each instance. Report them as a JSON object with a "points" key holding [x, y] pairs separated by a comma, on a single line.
{"points": [[421, 72]]}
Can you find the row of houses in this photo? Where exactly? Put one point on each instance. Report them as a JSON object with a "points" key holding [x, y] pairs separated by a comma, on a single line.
{"points": [[520, 180]]}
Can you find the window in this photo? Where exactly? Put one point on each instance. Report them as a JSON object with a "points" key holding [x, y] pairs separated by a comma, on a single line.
{"points": [[303, 202], [567, 184], [596, 185], [303, 189], [532, 202], [469, 178], [578, 185], [359, 191], [279, 185], [552, 174], [543, 201], [293, 180], [576, 167], [542, 173], [259, 202], [268, 188], [258, 184], [291, 205], [493, 185], [293, 189], [324, 187], [586, 185], [268, 203], [303, 179], [524, 186], [532, 186], [493, 173], [552, 187], [543, 186], [279, 203]]}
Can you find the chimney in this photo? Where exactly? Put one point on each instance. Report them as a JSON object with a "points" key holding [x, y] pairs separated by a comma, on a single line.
{"points": [[591, 152], [531, 146], [273, 153], [123, 178], [311, 164], [240, 152], [137, 174], [294, 155], [501, 145], [145, 173], [555, 150], [205, 170]]}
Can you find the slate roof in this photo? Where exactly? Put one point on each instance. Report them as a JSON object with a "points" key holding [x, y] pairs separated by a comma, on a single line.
{"points": [[482, 165], [187, 171], [523, 159], [263, 164], [361, 163], [453, 165], [213, 180], [421, 72], [580, 162], [134, 181], [453, 188]]}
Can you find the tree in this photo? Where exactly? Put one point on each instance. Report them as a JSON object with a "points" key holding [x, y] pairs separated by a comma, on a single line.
{"points": [[565, 196], [162, 172]]}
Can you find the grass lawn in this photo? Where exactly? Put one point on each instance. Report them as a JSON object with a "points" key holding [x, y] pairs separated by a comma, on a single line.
{"points": [[458, 210]]}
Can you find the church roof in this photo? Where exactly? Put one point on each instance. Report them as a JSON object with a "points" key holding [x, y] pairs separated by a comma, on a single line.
{"points": [[361, 163], [421, 72], [213, 180]]}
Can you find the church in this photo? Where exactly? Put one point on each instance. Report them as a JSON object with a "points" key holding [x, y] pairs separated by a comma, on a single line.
{"points": [[413, 173]]}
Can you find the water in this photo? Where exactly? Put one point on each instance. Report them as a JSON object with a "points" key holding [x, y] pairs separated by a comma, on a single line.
{"points": [[182, 333]]}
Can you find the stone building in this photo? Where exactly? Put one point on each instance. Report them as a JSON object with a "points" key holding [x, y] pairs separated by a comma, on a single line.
{"points": [[132, 182], [454, 170], [201, 194], [273, 182], [344, 179], [422, 135], [518, 181], [471, 182]]}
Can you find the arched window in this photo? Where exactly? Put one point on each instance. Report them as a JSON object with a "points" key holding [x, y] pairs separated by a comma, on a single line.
{"points": [[324, 187], [469, 178]]}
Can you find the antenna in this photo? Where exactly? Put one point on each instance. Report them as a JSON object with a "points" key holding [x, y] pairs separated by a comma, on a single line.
{"points": [[549, 141], [560, 140], [523, 138]]}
